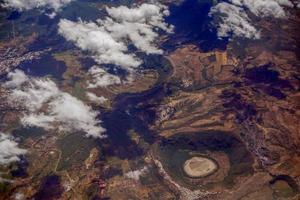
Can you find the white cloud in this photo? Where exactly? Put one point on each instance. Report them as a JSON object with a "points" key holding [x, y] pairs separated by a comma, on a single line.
{"points": [[95, 98], [108, 39], [297, 4], [74, 114], [9, 150], [38, 120], [51, 108], [35, 93], [136, 174], [137, 24], [233, 17], [265, 8], [4, 180], [90, 37], [56, 5], [101, 78], [17, 78], [19, 196], [234, 20]]}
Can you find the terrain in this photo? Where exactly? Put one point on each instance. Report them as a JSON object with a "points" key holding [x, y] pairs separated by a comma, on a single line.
{"points": [[229, 107]]}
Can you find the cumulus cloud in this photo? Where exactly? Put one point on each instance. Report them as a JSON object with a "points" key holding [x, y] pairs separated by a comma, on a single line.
{"points": [[297, 4], [94, 98], [38, 120], [108, 39], [19, 196], [101, 78], [21, 5], [89, 36], [265, 8], [136, 174], [34, 93], [137, 24], [17, 78], [234, 20], [49, 107], [9, 150]]}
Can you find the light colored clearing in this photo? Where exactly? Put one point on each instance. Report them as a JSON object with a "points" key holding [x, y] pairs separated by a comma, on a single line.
{"points": [[199, 167]]}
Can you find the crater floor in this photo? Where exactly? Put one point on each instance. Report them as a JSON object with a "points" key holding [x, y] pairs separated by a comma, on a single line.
{"points": [[199, 167]]}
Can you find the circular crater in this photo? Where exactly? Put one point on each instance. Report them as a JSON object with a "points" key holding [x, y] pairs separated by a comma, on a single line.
{"points": [[204, 160], [197, 167], [284, 186]]}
